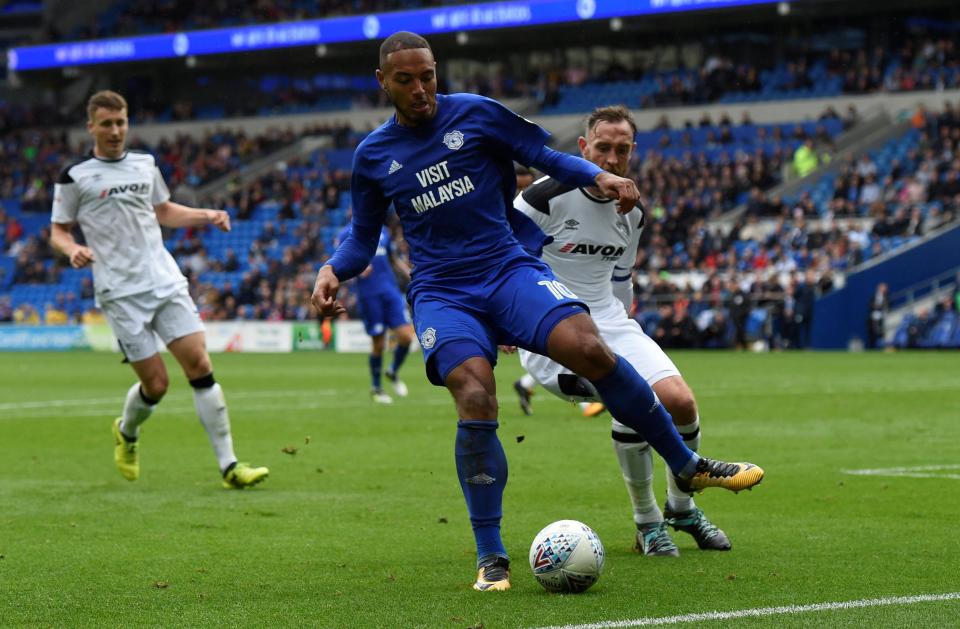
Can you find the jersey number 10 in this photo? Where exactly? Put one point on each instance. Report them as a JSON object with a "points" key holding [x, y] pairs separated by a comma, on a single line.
{"points": [[558, 290]]}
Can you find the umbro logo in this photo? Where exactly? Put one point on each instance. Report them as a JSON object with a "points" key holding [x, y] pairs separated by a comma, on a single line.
{"points": [[482, 479], [394, 167], [571, 223]]}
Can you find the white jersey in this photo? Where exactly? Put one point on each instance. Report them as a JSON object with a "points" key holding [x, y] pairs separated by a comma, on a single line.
{"points": [[593, 248], [113, 201], [592, 253]]}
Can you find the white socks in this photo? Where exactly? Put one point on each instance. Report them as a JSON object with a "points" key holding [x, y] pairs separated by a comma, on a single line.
{"points": [[636, 464], [212, 411], [136, 410], [527, 382], [676, 499]]}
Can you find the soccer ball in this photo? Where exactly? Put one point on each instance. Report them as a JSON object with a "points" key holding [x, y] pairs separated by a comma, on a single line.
{"points": [[566, 556]]}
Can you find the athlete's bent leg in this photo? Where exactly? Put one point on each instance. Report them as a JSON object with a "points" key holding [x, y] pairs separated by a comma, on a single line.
{"points": [[576, 344], [143, 396], [481, 464], [138, 405], [211, 406], [404, 337], [676, 395], [378, 343]]}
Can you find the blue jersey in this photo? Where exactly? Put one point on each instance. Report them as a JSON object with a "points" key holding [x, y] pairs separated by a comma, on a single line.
{"points": [[451, 181], [381, 279]]}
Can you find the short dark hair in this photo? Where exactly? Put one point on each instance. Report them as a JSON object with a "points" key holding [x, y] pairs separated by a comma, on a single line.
{"points": [[106, 99], [611, 113], [401, 40]]}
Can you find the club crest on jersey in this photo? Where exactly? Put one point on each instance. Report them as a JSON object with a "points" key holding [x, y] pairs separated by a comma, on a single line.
{"points": [[429, 338], [453, 140]]}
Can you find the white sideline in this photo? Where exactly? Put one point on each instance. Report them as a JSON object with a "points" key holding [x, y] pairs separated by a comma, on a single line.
{"points": [[304, 399], [763, 611], [916, 471], [7, 406]]}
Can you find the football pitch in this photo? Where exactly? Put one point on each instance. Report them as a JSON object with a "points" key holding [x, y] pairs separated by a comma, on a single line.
{"points": [[362, 523]]}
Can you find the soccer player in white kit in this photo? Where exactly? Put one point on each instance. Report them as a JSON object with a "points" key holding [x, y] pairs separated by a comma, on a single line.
{"points": [[593, 253], [120, 200]]}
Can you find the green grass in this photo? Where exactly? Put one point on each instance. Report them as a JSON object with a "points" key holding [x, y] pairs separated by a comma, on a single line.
{"points": [[365, 525]]}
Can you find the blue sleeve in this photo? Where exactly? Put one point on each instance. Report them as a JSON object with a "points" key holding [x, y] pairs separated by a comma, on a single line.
{"points": [[531, 237], [369, 211], [515, 134], [342, 235], [354, 253], [568, 169]]}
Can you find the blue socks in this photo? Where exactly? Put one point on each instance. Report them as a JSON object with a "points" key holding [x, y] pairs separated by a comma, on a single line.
{"points": [[633, 403], [482, 470], [376, 366], [399, 355]]}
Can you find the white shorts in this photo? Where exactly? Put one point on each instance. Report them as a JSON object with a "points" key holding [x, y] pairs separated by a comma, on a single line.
{"points": [[137, 320], [625, 337]]}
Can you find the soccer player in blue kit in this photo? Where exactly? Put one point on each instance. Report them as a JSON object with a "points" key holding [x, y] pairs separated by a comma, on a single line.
{"points": [[445, 163], [383, 308]]}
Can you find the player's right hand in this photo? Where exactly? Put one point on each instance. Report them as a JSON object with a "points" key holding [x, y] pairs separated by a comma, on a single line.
{"points": [[220, 219], [324, 297], [622, 189], [81, 257]]}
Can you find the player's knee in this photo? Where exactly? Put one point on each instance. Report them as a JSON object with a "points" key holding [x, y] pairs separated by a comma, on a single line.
{"points": [[404, 335], [594, 357], [682, 405], [684, 409], [199, 366], [156, 385], [474, 401]]}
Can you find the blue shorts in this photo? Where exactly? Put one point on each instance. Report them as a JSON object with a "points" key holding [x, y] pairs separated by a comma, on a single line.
{"points": [[518, 304], [383, 311]]}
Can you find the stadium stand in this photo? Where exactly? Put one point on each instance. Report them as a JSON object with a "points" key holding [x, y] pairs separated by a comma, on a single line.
{"points": [[733, 252]]}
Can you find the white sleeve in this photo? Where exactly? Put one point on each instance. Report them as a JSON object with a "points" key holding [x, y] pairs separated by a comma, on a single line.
{"points": [[623, 271], [66, 202], [545, 221], [160, 192]]}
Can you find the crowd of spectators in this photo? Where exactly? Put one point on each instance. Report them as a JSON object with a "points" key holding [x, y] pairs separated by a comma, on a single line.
{"points": [[718, 283], [921, 61]]}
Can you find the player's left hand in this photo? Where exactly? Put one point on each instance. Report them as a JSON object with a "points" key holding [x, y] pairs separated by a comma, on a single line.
{"points": [[621, 188], [219, 219], [324, 297]]}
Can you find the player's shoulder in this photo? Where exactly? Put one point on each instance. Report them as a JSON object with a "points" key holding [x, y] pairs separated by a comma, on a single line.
{"points": [[140, 155], [541, 192], [464, 99], [375, 140], [475, 103], [69, 171]]}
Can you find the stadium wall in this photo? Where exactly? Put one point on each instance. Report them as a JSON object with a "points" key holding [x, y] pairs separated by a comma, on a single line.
{"points": [[840, 318], [222, 336]]}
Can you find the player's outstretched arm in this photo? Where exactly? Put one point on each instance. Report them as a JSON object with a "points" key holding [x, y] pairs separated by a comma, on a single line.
{"points": [[172, 214], [62, 239], [576, 171]]}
